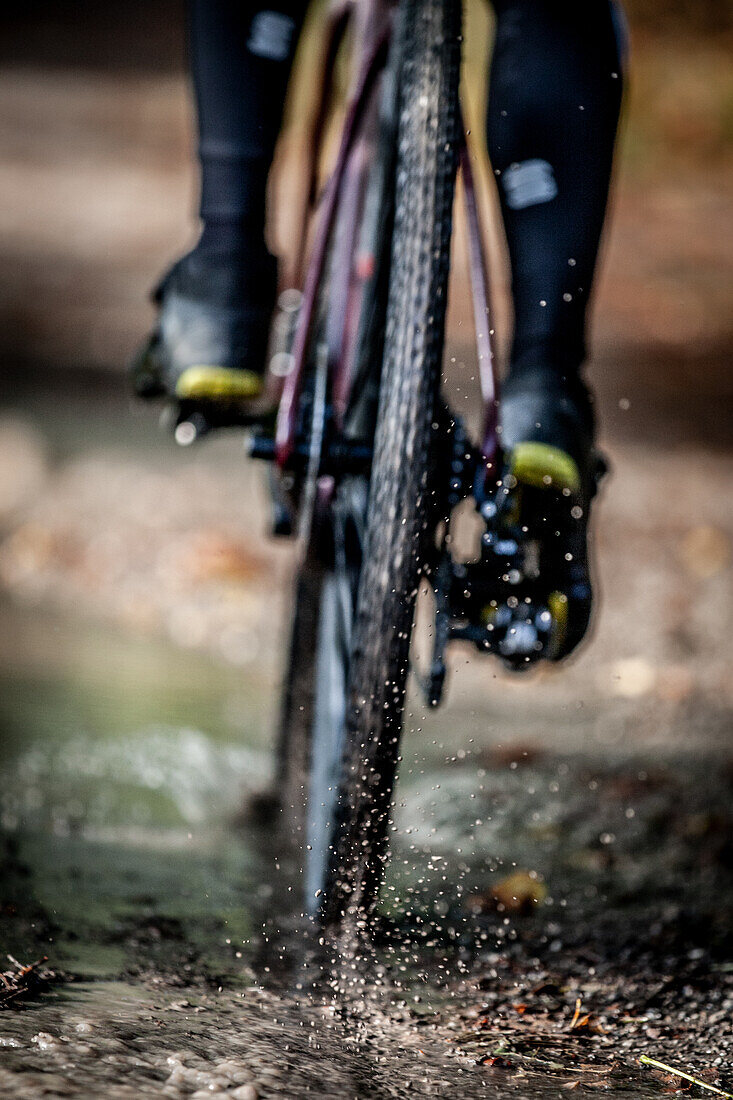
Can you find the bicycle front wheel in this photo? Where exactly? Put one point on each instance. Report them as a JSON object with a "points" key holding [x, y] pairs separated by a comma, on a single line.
{"points": [[427, 150]]}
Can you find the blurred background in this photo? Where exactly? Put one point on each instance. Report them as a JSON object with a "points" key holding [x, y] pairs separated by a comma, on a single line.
{"points": [[104, 520], [141, 604]]}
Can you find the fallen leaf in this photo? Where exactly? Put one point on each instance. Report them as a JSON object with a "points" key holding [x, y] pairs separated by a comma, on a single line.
{"points": [[587, 1020], [519, 892]]}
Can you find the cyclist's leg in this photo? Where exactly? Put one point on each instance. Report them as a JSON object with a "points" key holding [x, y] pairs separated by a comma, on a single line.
{"points": [[241, 55], [215, 303], [554, 102]]}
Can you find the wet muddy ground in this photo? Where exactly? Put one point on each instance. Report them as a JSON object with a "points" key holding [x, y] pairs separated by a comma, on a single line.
{"points": [[560, 899], [549, 917]]}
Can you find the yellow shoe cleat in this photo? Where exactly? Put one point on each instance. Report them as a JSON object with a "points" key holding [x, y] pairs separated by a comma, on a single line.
{"points": [[544, 467], [218, 384]]}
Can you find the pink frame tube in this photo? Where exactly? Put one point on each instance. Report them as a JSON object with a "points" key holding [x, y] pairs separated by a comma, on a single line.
{"points": [[479, 279], [374, 32], [287, 411]]}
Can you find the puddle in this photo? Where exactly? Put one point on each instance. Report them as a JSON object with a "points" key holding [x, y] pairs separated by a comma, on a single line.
{"points": [[127, 860]]}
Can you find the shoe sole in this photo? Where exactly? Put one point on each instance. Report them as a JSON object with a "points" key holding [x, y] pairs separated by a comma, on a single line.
{"points": [[223, 384], [543, 467]]}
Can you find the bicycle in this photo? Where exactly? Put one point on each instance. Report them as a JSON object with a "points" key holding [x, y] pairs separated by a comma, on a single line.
{"points": [[369, 463]]}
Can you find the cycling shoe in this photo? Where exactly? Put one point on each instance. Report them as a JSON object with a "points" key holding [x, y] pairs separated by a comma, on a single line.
{"points": [[544, 508], [549, 478], [209, 344]]}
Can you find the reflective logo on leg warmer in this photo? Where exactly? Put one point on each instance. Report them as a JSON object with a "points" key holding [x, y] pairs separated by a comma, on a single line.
{"points": [[271, 35], [529, 183]]}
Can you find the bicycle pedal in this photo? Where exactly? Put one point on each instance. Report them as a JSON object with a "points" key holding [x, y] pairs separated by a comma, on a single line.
{"points": [[518, 632], [534, 559]]}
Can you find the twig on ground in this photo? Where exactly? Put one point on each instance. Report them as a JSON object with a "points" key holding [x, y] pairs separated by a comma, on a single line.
{"points": [[685, 1076]]}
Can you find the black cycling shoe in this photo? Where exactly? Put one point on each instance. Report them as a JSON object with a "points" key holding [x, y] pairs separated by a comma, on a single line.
{"points": [[539, 406], [210, 341], [550, 476]]}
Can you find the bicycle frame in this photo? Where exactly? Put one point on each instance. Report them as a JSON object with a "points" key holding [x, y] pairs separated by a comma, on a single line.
{"points": [[371, 21], [314, 446], [372, 24]]}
